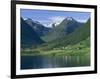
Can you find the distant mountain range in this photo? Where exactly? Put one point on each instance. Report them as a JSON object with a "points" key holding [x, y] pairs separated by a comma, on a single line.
{"points": [[69, 31]]}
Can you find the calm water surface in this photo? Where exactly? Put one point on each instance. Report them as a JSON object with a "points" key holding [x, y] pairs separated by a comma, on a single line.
{"points": [[36, 62]]}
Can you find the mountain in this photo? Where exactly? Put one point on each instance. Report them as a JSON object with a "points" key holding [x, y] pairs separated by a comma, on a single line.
{"points": [[67, 26], [40, 29], [28, 36], [80, 34]]}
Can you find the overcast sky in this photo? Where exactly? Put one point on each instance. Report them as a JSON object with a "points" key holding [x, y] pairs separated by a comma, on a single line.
{"points": [[47, 17]]}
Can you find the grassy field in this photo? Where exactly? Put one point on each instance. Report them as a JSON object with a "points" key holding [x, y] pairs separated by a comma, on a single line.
{"points": [[82, 48]]}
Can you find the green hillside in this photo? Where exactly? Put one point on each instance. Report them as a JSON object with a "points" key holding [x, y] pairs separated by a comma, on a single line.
{"points": [[76, 43], [81, 48], [64, 28], [78, 35]]}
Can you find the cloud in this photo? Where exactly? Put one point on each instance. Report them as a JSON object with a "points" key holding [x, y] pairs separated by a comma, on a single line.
{"points": [[82, 20], [57, 19], [50, 20], [46, 23]]}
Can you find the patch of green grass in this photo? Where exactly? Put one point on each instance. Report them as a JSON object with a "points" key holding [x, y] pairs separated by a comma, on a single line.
{"points": [[69, 51]]}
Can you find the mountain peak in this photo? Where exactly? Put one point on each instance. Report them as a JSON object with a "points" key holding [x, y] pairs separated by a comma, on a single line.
{"points": [[69, 18], [29, 19]]}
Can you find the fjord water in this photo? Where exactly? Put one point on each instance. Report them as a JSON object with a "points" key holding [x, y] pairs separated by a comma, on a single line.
{"points": [[36, 62]]}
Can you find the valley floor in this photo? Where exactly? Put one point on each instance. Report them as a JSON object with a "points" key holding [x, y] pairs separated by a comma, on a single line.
{"points": [[79, 49], [57, 52]]}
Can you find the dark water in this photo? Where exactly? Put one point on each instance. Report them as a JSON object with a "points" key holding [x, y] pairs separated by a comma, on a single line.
{"points": [[36, 62]]}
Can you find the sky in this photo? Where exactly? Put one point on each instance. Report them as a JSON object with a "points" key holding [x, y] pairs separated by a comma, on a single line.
{"points": [[48, 17]]}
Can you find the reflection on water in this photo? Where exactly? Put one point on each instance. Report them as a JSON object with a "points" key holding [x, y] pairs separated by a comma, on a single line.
{"points": [[35, 62]]}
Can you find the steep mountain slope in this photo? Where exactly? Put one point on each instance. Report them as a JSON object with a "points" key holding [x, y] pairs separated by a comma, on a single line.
{"points": [[38, 27], [66, 27], [28, 36], [75, 37]]}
